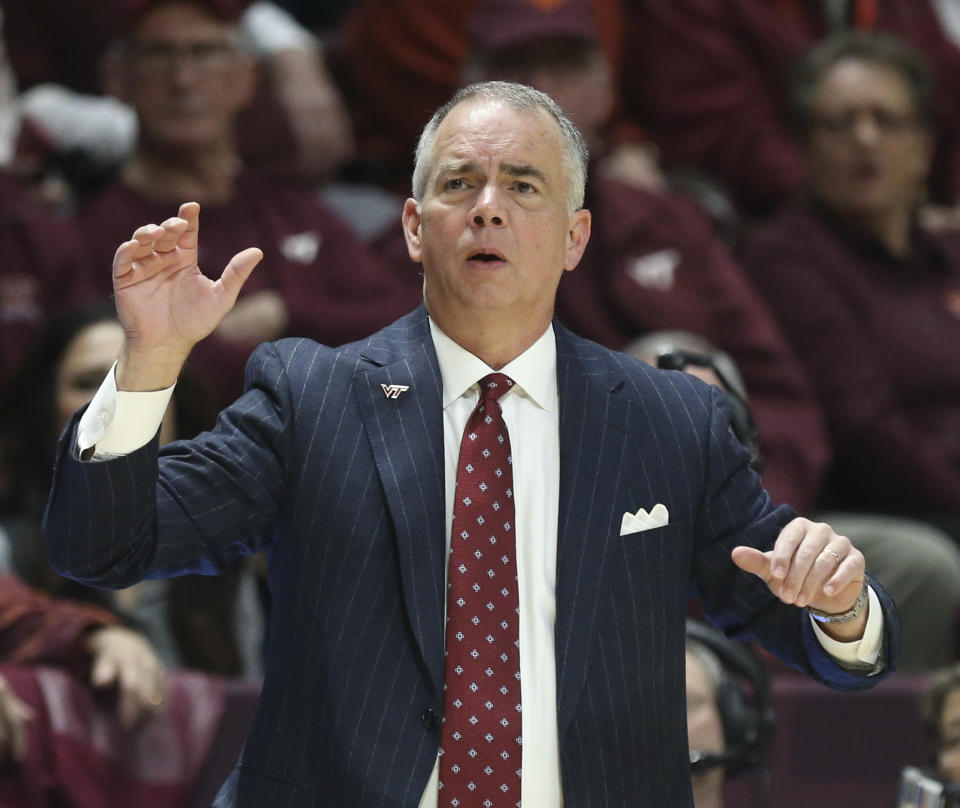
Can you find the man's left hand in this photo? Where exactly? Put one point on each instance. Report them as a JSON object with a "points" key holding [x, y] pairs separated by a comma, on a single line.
{"points": [[810, 565]]}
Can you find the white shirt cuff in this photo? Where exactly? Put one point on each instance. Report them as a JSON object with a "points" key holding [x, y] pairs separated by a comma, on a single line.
{"points": [[119, 422], [864, 651]]}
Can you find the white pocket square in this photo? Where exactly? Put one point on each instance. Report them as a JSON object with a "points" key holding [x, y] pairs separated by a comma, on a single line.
{"points": [[641, 520]]}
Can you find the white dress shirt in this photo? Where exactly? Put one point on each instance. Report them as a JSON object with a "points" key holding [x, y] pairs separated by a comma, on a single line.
{"points": [[118, 423]]}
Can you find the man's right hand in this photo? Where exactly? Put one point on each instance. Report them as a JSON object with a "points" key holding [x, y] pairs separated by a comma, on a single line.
{"points": [[165, 303]]}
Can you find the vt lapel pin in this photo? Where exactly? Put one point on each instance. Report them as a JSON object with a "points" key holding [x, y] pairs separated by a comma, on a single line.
{"points": [[394, 390]]}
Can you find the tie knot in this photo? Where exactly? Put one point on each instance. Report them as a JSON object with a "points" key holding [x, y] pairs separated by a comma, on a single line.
{"points": [[494, 385]]}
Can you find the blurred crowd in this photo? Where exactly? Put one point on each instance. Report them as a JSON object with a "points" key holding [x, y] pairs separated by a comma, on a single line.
{"points": [[775, 187]]}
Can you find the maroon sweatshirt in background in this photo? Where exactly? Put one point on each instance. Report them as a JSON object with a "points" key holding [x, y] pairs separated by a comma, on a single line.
{"points": [[39, 259], [708, 79], [880, 340]]}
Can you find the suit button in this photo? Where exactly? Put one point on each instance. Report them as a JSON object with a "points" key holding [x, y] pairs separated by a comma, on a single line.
{"points": [[430, 718]]}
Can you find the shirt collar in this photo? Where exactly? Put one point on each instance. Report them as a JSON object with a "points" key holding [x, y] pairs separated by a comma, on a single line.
{"points": [[534, 371]]}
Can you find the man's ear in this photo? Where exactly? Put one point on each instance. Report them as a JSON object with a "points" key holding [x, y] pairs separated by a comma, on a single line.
{"points": [[577, 237], [411, 229]]}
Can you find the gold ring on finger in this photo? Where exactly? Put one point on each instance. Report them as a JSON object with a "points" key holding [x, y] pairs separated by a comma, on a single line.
{"points": [[833, 553]]}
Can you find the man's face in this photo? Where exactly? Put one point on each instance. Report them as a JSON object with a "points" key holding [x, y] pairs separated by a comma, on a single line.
{"points": [[493, 230], [185, 75], [867, 154]]}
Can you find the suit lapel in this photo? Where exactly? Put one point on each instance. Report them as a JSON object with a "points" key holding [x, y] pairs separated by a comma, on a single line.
{"points": [[592, 455], [405, 429]]}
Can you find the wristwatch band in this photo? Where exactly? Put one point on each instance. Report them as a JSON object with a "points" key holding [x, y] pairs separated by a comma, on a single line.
{"points": [[842, 617]]}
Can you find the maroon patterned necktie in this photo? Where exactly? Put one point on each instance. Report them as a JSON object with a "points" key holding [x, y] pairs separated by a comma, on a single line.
{"points": [[480, 745]]}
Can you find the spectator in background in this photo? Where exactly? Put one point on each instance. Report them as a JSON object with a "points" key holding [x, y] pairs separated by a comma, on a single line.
{"points": [[653, 261], [941, 719], [869, 298], [710, 79], [184, 69], [297, 124], [729, 716], [37, 630], [417, 50], [207, 623], [917, 563], [39, 262], [39, 255]]}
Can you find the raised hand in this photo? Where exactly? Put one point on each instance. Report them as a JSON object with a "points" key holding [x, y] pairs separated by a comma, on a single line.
{"points": [[810, 565], [165, 303]]}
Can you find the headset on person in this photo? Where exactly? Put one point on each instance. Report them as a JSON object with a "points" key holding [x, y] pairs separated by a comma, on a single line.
{"points": [[741, 419], [747, 717]]}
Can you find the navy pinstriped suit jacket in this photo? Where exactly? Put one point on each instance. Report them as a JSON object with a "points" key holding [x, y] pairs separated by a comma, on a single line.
{"points": [[345, 487]]}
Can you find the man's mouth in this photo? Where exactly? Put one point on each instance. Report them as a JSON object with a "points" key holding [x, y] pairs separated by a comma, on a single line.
{"points": [[486, 257]]}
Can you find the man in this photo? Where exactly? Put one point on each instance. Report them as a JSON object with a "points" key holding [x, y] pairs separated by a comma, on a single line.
{"points": [[868, 296], [346, 463], [185, 69], [711, 77]]}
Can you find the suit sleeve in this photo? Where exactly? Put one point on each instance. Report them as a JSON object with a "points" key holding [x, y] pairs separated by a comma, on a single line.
{"points": [[193, 507], [736, 510]]}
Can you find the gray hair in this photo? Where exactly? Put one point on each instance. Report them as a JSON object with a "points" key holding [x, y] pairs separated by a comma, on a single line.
{"points": [[524, 99]]}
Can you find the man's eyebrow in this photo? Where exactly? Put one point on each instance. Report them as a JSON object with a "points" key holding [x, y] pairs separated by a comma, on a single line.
{"points": [[463, 167], [524, 171]]}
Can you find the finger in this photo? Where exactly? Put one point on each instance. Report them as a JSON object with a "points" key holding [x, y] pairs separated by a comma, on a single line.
{"points": [[235, 274], [785, 546], [852, 569], [104, 671], [190, 213], [824, 565], [173, 229], [147, 234], [816, 537]]}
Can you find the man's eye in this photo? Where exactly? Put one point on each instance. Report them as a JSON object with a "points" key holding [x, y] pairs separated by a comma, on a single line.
{"points": [[455, 184], [524, 187]]}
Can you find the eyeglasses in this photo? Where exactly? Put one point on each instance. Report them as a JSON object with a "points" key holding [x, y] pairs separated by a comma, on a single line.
{"points": [[886, 121], [162, 57]]}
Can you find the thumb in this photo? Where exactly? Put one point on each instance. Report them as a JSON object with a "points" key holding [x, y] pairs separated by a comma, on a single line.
{"points": [[752, 560], [235, 274]]}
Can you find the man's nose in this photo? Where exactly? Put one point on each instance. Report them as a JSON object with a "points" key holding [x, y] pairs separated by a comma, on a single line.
{"points": [[488, 210]]}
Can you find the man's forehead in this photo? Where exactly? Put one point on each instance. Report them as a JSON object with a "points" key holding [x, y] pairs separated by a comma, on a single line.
{"points": [[495, 118], [182, 20], [493, 128]]}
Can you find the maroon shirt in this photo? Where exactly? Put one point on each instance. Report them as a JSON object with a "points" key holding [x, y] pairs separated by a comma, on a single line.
{"points": [[880, 339], [709, 80], [654, 263], [39, 257], [335, 288]]}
